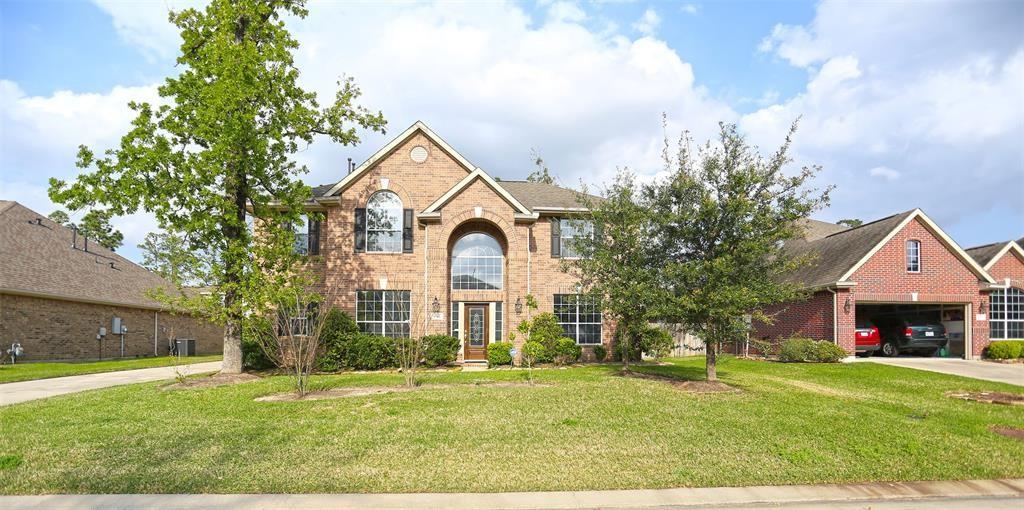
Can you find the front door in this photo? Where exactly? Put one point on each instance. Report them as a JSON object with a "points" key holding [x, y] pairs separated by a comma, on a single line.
{"points": [[477, 333]]}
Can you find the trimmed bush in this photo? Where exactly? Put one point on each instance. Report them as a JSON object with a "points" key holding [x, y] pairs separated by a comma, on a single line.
{"points": [[533, 351], [600, 353], [1006, 349], [439, 350], [369, 352], [339, 329], [566, 352], [806, 350], [497, 354], [546, 331]]}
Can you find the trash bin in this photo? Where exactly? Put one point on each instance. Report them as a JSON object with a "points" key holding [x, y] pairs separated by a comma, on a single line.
{"points": [[186, 347]]}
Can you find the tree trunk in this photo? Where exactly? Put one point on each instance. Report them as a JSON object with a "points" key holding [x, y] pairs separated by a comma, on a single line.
{"points": [[232, 363], [712, 358]]}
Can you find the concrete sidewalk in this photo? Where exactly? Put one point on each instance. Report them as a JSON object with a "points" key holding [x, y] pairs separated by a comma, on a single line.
{"points": [[985, 370], [945, 494], [17, 392]]}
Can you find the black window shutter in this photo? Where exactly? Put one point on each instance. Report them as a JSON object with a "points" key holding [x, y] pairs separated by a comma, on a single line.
{"points": [[556, 234], [314, 237], [407, 231], [360, 230]]}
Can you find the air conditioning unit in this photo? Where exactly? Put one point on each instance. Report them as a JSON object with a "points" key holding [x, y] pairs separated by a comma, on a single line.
{"points": [[186, 347]]}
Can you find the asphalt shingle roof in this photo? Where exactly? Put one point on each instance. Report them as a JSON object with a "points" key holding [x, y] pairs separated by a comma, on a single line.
{"points": [[539, 195], [39, 259], [834, 254], [983, 254]]}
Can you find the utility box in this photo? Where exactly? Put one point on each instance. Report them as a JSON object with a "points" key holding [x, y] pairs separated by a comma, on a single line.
{"points": [[186, 347]]}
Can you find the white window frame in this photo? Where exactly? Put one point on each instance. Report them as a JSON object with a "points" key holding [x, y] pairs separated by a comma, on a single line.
{"points": [[500, 257], [575, 323], [397, 247], [388, 298], [999, 312], [565, 247], [912, 245]]}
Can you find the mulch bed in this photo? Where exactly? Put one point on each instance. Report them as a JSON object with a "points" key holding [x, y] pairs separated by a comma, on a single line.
{"points": [[333, 393], [989, 397], [1014, 432], [212, 381], [688, 386]]}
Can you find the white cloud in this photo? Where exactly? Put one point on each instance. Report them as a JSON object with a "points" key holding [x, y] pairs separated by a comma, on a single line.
{"points": [[648, 23], [885, 173], [145, 24], [689, 8], [569, 12], [931, 89]]}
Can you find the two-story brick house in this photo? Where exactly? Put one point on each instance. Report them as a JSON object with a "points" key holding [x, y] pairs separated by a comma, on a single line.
{"points": [[417, 240]]}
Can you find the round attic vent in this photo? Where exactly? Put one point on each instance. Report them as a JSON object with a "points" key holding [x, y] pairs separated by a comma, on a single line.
{"points": [[418, 154]]}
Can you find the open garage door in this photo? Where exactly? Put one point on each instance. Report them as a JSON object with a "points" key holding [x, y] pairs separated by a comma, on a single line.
{"points": [[915, 329]]}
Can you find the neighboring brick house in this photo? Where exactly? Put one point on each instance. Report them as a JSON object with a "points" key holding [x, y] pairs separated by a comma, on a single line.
{"points": [[902, 265], [1005, 262], [417, 240], [57, 291]]}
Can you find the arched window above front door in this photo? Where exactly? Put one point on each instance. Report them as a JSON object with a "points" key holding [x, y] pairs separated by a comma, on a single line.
{"points": [[384, 223], [477, 262]]}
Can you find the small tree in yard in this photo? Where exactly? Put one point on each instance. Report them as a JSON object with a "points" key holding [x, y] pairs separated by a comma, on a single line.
{"points": [[409, 351], [293, 338], [721, 219], [618, 265], [218, 153]]}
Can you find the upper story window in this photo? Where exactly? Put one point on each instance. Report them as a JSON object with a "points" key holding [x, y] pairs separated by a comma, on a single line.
{"points": [[1006, 314], [477, 261], [383, 226], [913, 256], [307, 236], [384, 223], [565, 232]]}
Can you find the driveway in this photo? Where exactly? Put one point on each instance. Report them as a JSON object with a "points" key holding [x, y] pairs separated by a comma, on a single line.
{"points": [[16, 392], [975, 369]]}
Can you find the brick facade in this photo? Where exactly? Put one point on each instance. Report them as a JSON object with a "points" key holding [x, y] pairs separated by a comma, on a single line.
{"points": [[50, 329], [943, 279], [426, 272], [1008, 267]]}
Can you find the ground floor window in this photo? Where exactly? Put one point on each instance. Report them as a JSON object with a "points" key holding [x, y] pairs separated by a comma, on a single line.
{"points": [[580, 317], [497, 321], [383, 312], [1006, 314], [455, 319]]}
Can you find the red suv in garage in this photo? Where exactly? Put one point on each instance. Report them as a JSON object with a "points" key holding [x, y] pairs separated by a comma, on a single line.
{"points": [[868, 340]]}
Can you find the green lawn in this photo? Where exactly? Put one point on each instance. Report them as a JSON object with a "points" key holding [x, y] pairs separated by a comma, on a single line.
{"points": [[585, 428], [30, 371]]}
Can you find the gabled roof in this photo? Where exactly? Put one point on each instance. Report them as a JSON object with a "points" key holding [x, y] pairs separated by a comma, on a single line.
{"points": [[546, 197], [435, 208], [418, 127], [838, 255], [39, 260], [987, 255]]}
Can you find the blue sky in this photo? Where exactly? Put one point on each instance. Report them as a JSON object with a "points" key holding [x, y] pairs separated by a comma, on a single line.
{"points": [[905, 105]]}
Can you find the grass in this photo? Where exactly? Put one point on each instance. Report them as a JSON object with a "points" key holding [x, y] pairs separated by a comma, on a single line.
{"points": [[586, 428], [31, 371]]}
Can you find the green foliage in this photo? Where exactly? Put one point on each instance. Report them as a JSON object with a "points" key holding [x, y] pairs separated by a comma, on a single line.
{"points": [[533, 352], [439, 350], [1006, 349], [253, 355], [218, 151], [338, 330], [96, 225], [168, 256], [541, 174], [850, 222], [799, 349], [546, 331], [59, 217], [565, 351], [498, 354], [763, 347], [368, 352], [600, 353], [654, 341]]}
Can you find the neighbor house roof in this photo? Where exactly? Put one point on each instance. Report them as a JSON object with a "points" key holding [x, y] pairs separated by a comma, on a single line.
{"points": [[39, 260], [988, 254], [837, 255]]}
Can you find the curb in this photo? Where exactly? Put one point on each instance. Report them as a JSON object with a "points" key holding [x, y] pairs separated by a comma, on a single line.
{"points": [[681, 497]]}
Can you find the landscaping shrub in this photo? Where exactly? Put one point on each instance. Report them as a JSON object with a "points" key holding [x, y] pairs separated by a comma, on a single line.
{"points": [[600, 353], [655, 341], [339, 329], [369, 352], [253, 357], [497, 353], [546, 331], [439, 350], [566, 352], [533, 352], [806, 350], [1006, 349]]}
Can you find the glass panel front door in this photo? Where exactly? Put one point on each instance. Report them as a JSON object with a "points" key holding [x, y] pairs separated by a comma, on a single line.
{"points": [[476, 331]]}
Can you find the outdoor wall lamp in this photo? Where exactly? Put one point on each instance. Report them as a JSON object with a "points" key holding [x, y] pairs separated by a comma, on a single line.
{"points": [[436, 307], [519, 305], [847, 305]]}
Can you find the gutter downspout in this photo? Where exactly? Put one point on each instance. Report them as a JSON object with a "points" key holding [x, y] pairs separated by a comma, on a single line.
{"points": [[529, 259], [156, 332], [835, 315], [426, 280]]}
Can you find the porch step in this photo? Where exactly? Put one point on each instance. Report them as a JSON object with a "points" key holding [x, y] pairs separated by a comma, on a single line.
{"points": [[474, 366]]}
